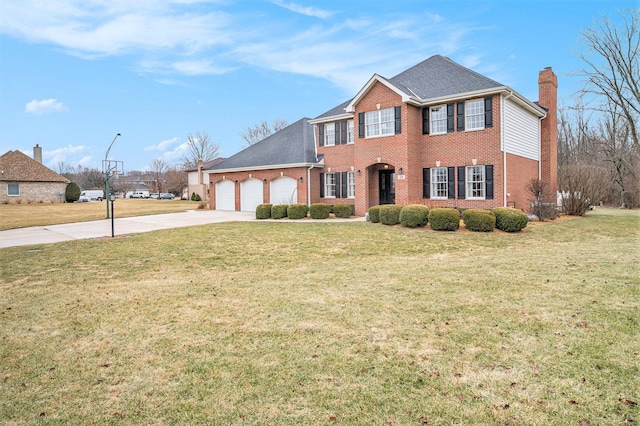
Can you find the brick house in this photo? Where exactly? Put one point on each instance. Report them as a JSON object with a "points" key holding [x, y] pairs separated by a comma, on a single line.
{"points": [[437, 134], [197, 180], [27, 180]]}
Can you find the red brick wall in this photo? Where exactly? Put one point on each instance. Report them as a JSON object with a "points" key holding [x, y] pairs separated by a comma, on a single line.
{"points": [[548, 98], [520, 171], [269, 175]]}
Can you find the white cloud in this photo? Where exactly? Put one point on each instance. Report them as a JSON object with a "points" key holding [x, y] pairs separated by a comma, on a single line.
{"points": [[45, 106], [304, 10], [163, 145], [71, 155]]}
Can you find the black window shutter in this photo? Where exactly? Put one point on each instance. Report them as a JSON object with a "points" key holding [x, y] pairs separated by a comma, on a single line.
{"points": [[461, 183], [321, 134], [344, 184], [488, 170], [361, 124], [337, 133], [451, 182], [488, 112], [450, 127], [321, 185], [397, 111], [460, 117], [425, 121], [426, 183], [336, 180], [343, 132]]}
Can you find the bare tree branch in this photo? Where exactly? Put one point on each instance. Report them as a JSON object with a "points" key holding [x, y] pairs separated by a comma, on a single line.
{"points": [[258, 132], [200, 147]]}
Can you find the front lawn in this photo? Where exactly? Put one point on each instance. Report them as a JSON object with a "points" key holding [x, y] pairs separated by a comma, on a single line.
{"points": [[326, 323]]}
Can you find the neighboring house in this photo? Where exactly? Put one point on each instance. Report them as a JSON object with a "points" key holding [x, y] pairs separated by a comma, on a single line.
{"points": [[197, 180], [27, 180], [437, 134]]}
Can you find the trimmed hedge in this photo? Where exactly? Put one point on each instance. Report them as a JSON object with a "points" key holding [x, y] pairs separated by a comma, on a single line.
{"points": [[297, 211], [342, 210], [444, 219], [390, 214], [263, 211], [479, 220], [374, 214], [319, 211], [509, 219], [414, 215], [278, 211]]}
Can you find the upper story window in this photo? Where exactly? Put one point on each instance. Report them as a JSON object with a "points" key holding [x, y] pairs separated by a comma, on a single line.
{"points": [[329, 135], [474, 114], [380, 122], [438, 119], [350, 135]]}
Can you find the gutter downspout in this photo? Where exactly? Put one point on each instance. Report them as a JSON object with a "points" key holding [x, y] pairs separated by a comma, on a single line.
{"points": [[309, 185], [504, 151], [540, 145]]}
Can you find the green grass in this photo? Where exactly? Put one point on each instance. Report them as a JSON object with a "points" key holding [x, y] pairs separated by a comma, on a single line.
{"points": [[24, 215], [324, 323]]}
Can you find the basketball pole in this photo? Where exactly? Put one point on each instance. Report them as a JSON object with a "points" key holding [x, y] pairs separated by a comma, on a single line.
{"points": [[106, 173]]}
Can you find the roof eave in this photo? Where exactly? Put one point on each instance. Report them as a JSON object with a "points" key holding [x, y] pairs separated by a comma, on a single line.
{"points": [[267, 167], [344, 116], [376, 78]]}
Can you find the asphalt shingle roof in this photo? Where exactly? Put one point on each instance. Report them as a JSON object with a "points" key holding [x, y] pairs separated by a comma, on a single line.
{"points": [[18, 167], [292, 145]]}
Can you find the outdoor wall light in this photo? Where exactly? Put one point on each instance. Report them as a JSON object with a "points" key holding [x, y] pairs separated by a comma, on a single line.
{"points": [[300, 178], [400, 170], [358, 172], [265, 180]]}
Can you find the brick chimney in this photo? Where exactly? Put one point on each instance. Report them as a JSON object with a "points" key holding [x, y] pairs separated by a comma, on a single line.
{"points": [[548, 99], [37, 153]]}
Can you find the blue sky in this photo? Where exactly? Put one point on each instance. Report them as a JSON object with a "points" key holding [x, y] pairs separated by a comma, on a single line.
{"points": [[73, 73]]}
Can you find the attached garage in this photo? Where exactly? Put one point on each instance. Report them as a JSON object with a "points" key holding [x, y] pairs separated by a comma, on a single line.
{"points": [[225, 195], [283, 190], [251, 195]]}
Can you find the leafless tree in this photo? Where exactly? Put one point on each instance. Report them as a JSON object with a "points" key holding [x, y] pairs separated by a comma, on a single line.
{"points": [[257, 132], [176, 180], [575, 135], [582, 186], [199, 147], [612, 65], [158, 167]]}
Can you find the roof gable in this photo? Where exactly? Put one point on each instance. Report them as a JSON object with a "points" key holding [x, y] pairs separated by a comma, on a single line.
{"points": [[293, 145], [15, 166]]}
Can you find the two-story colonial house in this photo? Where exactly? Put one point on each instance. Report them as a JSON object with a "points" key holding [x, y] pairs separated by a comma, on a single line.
{"points": [[438, 134]]}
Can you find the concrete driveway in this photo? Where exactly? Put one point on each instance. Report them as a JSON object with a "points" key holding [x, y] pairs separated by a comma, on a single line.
{"points": [[129, 225]]}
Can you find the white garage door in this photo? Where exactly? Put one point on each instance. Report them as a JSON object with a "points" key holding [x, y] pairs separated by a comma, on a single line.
{"points": [[225, 195], [283, 190], [251, 195]]}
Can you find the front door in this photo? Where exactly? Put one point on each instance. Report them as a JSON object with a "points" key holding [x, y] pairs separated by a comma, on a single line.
{"points": [[387, 186]]}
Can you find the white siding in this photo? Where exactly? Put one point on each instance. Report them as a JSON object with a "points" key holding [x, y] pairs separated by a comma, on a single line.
{"points": [[521, 131], [193, 178]]}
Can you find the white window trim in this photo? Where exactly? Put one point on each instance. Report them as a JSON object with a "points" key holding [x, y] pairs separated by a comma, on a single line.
{"points": [[467, 115], [13, 195], [351, 136], [434, 183], [438, 108], [327, 185], [379, 124], [469, 183], [351, 185], [327, 127]]}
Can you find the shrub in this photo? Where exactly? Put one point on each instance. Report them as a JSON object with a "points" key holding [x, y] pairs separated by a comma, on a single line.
{"points": [[479, 220], [278, 211], [509, 219], [342, 210], [319, 211], [414, 215], [390, 214], [72, 192], [444, 219], [374, 214], [263, 211], [195, 197], [297, 211]]}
